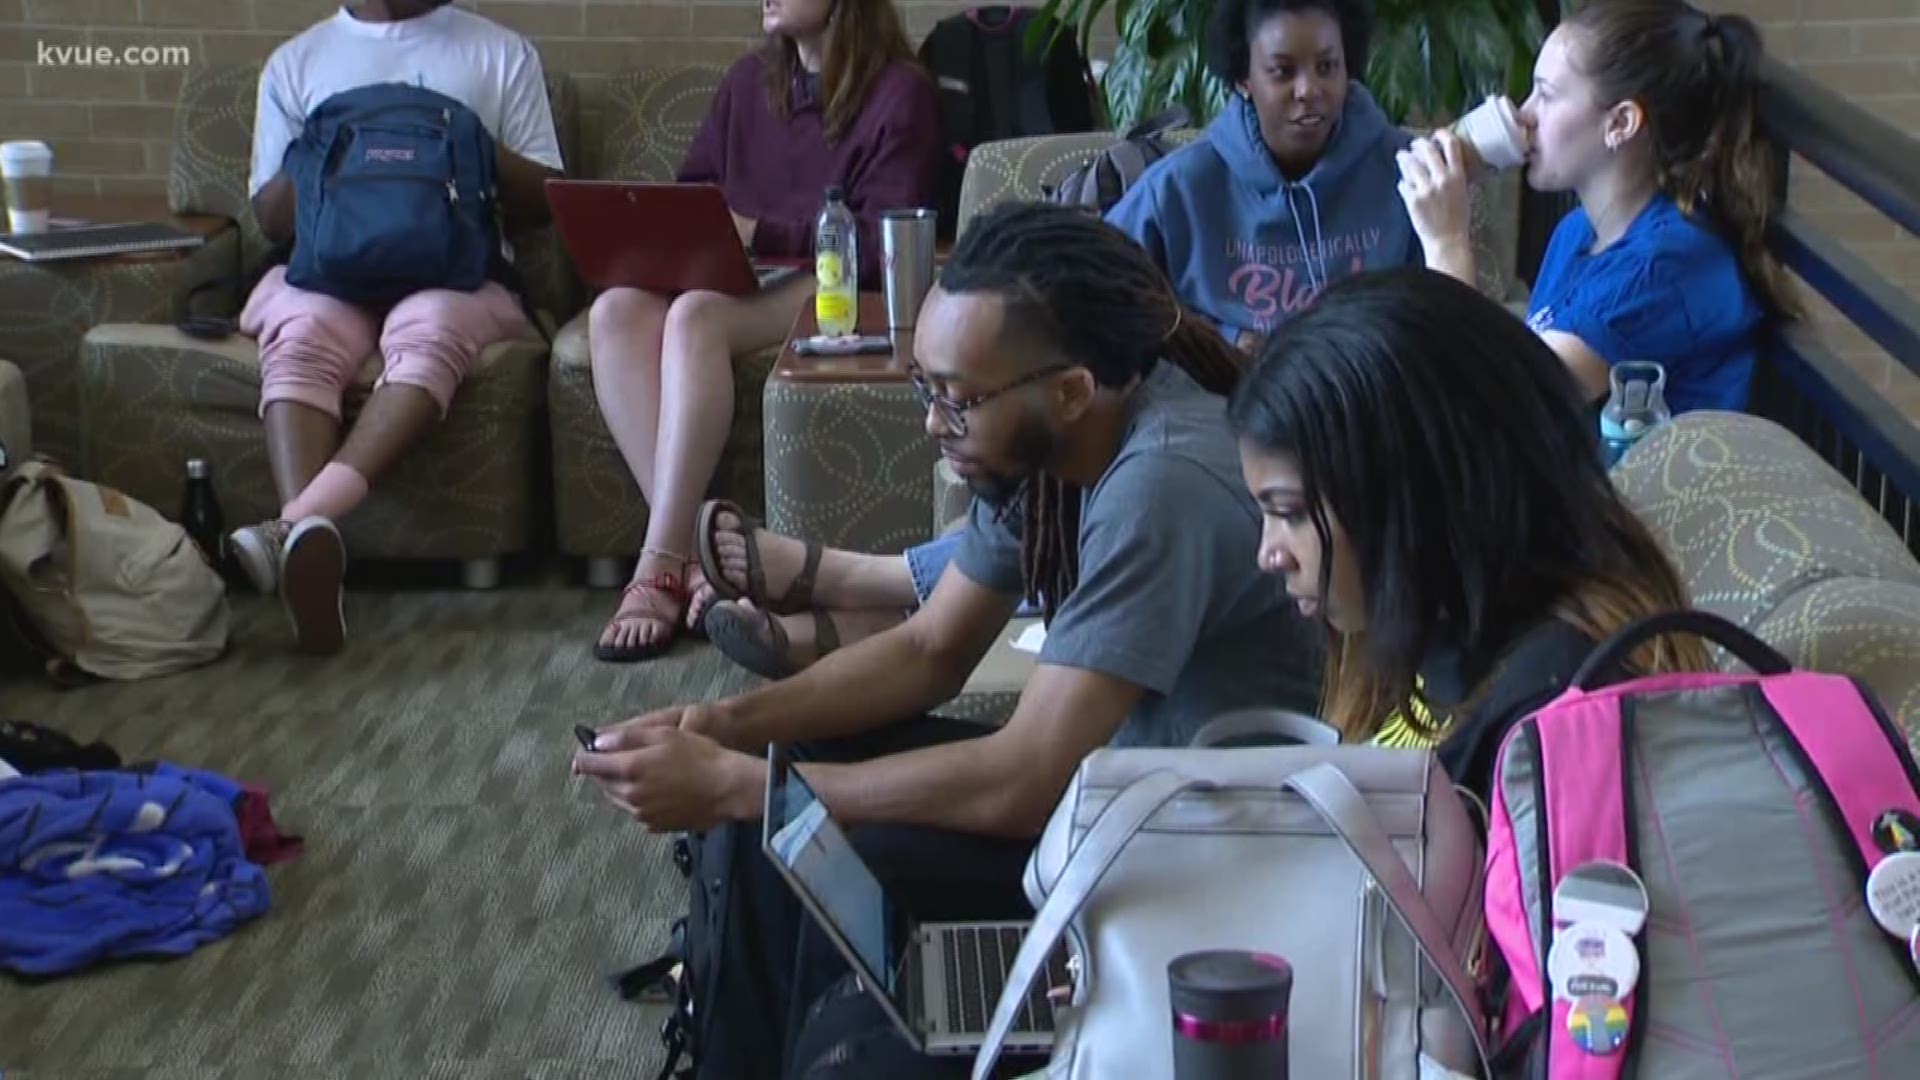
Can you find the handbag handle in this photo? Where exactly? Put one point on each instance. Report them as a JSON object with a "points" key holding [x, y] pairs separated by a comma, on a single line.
{"points": [[1244, 723], [1091, 860], [1327, 790], [1745, 647]]}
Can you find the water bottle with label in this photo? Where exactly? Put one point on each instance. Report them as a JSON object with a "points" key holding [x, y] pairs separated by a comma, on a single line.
{"points": [[1636, 404], [836, 267]]}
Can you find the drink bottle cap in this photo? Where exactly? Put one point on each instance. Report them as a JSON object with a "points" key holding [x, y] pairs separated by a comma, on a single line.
{"points": [[197, 469], [834, 194]]}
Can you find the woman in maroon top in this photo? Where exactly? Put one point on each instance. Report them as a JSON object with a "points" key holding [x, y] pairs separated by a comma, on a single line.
{"points": [[833, 97]]}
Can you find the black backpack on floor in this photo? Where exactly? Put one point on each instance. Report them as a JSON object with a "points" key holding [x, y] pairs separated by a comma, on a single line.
{"points": [[994, 86]]}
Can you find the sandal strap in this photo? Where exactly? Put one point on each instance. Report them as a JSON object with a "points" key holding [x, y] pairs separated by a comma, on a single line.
{"points": [[643, 587], [826, 636], [799, 594]]}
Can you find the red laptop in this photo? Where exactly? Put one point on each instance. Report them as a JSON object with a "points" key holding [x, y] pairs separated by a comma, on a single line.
{"points": [[664, 238]]}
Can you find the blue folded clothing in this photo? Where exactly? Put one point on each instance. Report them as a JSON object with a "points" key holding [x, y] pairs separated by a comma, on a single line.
{"points": [[108, 865]]}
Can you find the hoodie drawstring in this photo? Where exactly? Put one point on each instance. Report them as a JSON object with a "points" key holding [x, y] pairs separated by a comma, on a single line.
{"points": [[1315, 249]]}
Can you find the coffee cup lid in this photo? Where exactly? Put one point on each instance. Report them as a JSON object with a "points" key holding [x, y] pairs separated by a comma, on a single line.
{"points": [[25, 150], [1229, 985]]}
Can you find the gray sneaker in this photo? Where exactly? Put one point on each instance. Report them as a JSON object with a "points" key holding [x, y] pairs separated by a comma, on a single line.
{"points": [[313, 568], [257, 549]]}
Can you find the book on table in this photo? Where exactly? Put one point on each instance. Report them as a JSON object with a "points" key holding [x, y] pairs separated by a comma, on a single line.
{"points": [[96, 241]]}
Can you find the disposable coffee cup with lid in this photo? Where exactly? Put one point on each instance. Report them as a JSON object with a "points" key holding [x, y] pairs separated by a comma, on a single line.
{"points": [[26, 172], [1493, 131]]}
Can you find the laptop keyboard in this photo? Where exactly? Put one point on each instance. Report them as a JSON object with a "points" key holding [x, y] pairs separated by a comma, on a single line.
{"points": [[976, 969]]}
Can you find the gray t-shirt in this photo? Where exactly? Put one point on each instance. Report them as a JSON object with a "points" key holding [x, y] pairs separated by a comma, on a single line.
{"points": [[1170, 597]]}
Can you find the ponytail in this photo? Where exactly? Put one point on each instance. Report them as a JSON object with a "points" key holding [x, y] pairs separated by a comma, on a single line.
{"points": [[1697, 77]]}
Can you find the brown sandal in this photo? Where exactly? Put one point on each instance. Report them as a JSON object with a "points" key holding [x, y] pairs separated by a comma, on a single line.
{"points": [[799, 594], [755, 640], [672, 585]]}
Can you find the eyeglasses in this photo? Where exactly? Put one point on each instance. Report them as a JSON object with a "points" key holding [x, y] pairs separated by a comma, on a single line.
{"points": [[954, 413]]}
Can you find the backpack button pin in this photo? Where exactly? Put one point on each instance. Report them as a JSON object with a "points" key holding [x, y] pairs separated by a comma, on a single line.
{"points": [[1893, 893], [1598, 1025], [1896, 830]]}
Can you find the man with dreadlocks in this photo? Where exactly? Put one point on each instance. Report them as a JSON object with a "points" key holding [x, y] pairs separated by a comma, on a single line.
{"points": [[1085, 409]]}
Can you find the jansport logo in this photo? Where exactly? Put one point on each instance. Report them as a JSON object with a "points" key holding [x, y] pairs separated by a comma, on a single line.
{"points": [[389, 154]]}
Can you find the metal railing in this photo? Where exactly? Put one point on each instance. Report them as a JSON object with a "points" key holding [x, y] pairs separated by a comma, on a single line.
{"points": [[1802, 383]]}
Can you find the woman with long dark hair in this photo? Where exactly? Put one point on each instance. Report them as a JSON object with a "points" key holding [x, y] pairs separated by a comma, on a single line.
{"points": [[1432, 493]]}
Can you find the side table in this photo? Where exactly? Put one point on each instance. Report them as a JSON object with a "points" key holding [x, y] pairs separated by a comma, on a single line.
{"points": [[46, 308], [848, 460]]}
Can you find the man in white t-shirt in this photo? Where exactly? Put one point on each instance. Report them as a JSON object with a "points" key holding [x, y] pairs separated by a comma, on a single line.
{"points": [[312, 345]]}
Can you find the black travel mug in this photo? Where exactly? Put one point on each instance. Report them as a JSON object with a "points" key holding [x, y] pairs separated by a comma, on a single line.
{"points": [[1229, 1015]]}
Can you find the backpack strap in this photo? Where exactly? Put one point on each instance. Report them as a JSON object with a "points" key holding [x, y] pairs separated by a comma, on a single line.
{"points": [[1864, 778], [1096, 853], [1584, 778], [1000, 54]]}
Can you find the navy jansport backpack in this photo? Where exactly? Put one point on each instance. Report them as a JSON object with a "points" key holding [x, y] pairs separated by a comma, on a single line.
{"points": [[397, 190]]}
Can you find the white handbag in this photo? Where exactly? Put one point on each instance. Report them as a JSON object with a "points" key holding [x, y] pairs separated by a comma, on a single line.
{"points": [[1360, 865]]}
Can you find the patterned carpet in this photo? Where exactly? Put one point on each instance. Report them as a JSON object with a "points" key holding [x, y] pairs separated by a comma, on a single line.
{"points": [[461, 899]]}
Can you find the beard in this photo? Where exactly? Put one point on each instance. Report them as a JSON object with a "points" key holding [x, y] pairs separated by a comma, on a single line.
{"points": [[1035, 446]]}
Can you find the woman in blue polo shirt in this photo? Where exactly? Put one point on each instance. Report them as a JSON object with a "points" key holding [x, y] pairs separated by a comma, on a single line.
{"points": [[1647, 110]]}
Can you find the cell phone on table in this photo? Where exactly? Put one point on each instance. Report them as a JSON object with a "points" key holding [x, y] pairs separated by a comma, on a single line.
{"points": [[842, 346], [586, 735]]}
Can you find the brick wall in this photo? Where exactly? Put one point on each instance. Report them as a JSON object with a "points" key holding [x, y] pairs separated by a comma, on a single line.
{"points": [[110, 125]]}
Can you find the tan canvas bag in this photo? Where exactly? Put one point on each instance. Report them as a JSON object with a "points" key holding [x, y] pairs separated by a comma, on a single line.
{"points": [[103, 582]]}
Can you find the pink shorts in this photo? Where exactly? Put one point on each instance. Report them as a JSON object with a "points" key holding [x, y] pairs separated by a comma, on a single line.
{"points": [[313, 345]]}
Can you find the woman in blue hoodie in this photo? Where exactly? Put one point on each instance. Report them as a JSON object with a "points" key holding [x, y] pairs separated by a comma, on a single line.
{"points": [[1293, 187]]}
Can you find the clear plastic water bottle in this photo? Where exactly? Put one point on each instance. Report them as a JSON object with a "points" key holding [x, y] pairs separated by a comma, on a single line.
{"points": [[836, 267], [1636, 404]]}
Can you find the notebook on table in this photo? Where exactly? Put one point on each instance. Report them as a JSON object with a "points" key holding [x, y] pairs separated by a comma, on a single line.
{"points": [[96, 241]]}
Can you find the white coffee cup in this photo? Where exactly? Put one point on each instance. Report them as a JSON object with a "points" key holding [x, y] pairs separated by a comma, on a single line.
{"points": [[1494, 132], [26, 172]]}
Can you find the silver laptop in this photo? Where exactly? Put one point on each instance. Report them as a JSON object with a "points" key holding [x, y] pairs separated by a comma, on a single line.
{"points": [[937, 982]]}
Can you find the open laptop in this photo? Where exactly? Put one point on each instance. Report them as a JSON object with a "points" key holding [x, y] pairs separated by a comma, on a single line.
{"points": [[937, 982], [664, 238]]}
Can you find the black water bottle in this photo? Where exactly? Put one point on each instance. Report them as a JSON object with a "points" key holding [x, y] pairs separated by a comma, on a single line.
{"points": [[200, 514], [1229, 1015]]}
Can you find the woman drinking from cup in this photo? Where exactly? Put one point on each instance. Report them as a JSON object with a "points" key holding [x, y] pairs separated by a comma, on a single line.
{"points": [[1647, 110]]}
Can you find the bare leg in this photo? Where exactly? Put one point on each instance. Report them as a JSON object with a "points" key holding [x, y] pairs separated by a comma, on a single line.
{"points": [[624, 331], [699, 336], [623, 342], [300, 441], [396, 417], [430, 341]]}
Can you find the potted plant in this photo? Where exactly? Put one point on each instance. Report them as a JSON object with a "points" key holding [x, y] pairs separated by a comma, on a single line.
{"points": [[1431, 59]]}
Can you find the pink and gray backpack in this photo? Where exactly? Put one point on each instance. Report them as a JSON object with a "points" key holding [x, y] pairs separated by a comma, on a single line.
{"points": [[1707, 875]]}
